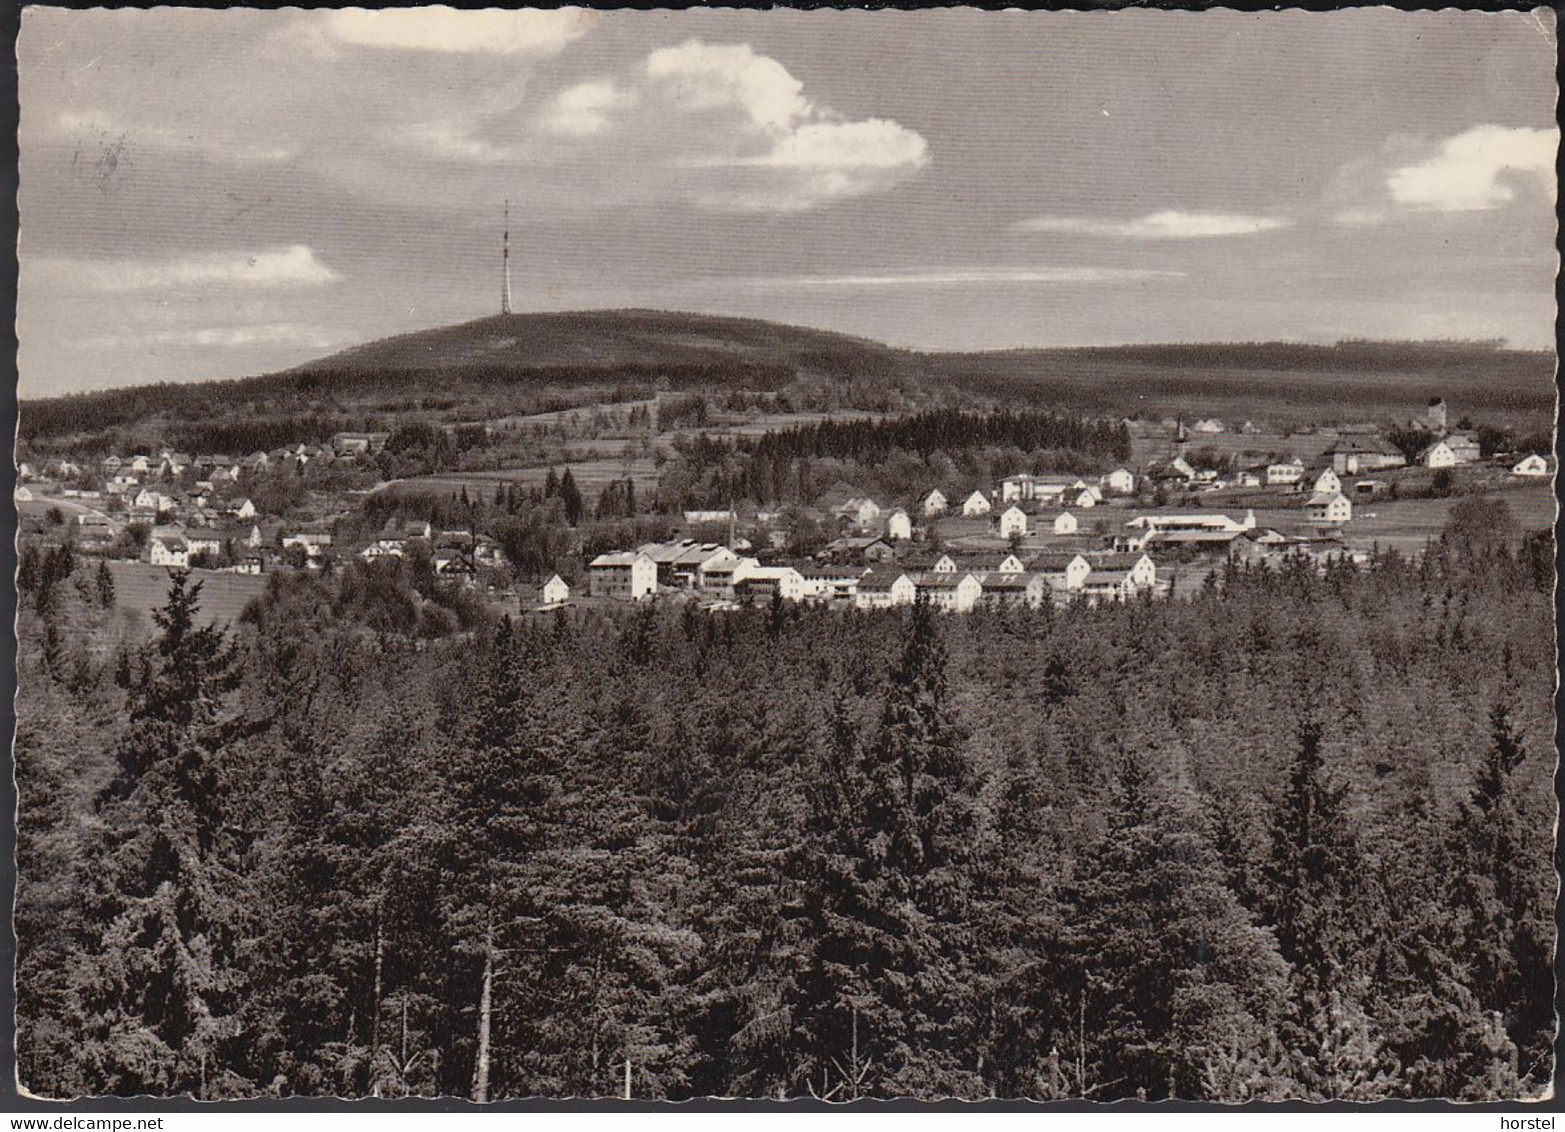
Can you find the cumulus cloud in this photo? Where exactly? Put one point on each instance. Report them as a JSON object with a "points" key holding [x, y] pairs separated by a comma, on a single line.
{"points": [[585, 109], [1474, 171], [489, 31], [1166, 225], [273, 269], [726, 127]]}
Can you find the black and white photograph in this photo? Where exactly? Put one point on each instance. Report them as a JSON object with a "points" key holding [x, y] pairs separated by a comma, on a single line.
{"points": [[802, 557]]}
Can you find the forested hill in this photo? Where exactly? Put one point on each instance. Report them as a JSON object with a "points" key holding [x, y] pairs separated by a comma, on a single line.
{"points": [[516, 363], [616, 339]]}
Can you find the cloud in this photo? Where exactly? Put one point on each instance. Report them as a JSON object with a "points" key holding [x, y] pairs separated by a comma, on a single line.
{"points": [[724, 127], [1474, 170], [294, 266], [584, 109], [955, 277], [488, 31], [102, 124], [218, 337], [1166, 225]]}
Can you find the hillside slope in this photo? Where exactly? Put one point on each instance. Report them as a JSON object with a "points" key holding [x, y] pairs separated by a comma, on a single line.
{"points": [[616, 338]]}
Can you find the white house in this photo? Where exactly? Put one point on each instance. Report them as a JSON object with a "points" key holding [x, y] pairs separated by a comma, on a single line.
{"points": [[1531, 466], [170, 550], [1210, 426], [627, 574], [1068, 567], [882, 589], [1329, 508], [1328, 483], [898, 525], [764, 581], [1012, 522], [1284, 475], [1086, 497], [1139, 571], [934, 503], [1438, 455], [953, 593], [1120, 481], [244, 509], [976, 504], [860, 510], [1011, 564], [556, 590], [1057, 523]]}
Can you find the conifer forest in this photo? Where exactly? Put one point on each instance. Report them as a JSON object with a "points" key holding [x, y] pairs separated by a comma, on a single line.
{"points": [[1284, 836]]}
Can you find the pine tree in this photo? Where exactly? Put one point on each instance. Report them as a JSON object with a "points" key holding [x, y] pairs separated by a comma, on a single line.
{"points": [[169, 981]]}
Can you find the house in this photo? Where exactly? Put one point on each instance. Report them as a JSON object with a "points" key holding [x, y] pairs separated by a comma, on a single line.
{"points": [[898, 525], [1285, 475], [169, 550], [1363, 488], [1012, 523], [934, 503], [918, 563], [719, 575], [830, 583], [679, 563], [1138, 570], [858, 548], [1438, 455], [1464, 447], [1183, 467], [1433, 417], [1329, 507], [1011, 564], [1104, 585], [556, 591], [243, 509], [359, 443], [1120, 481], [1210, 426], [313, 543], [952, 593], [1158, 521], [203, 540], [23, 494], [1247, 479], [1012, 589], [140, 465], [1087, 497], [882, 589], [762, 583], [627, 575], [1533, 466], [976, 504], [111, 463], [861, 511], [1060, 523], [1327, 483], [1355, 454], [1015, 487]]}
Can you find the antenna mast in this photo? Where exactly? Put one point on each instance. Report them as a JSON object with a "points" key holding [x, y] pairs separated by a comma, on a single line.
{"points": [[505, 261]]}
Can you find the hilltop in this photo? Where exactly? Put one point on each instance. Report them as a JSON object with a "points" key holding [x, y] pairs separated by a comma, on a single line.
{"points": [[528, 363], [530, 344]]}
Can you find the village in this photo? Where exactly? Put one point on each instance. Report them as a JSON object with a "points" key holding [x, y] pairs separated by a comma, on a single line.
{"points": [[1028, 539]]}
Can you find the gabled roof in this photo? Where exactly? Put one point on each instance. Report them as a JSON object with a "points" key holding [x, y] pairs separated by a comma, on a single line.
{"points": [[882, 579], [1325, 498], [946, 581], [616, 558]]}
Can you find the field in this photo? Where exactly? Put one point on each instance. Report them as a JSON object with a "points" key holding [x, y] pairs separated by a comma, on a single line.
{"points": [[590, 475], [141, 587]]}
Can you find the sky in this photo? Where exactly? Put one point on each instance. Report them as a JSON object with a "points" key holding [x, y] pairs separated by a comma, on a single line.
{"points": [[210, 194]]}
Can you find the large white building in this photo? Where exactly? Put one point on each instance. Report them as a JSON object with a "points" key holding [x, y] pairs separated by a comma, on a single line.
{"points": [[627, 575]]}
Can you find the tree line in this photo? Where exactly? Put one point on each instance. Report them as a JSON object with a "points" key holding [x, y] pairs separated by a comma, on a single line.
{"points": [[1288, 836]]}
